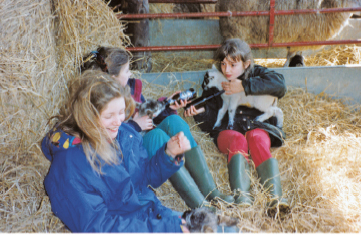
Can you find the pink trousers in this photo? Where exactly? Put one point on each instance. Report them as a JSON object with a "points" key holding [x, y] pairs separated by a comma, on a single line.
{"points": [[256, 141]]}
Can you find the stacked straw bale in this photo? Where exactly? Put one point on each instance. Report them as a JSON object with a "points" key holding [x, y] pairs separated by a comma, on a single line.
{"points": [[42, 43]]}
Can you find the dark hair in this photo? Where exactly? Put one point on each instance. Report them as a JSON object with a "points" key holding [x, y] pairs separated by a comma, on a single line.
{"points": [[107, 59], [116, 59], [237, 50]]}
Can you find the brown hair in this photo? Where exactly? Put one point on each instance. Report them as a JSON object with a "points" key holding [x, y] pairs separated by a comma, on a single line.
{"points": [[116, 59], [89, 95], [237, 50]]}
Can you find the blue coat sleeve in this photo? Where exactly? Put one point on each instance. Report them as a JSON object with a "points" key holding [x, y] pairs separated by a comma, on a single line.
{"points": [[160, 167]]}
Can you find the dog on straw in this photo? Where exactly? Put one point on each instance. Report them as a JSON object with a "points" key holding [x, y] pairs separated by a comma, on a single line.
{"points": [[264, 103], [202, 220]]}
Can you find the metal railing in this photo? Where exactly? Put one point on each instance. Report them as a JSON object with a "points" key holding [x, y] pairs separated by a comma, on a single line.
{"points": [[271, 13]]}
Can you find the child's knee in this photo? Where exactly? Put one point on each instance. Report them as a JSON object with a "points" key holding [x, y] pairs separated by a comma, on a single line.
{"points": [[155, 139], [258, 136], [176, 120]]}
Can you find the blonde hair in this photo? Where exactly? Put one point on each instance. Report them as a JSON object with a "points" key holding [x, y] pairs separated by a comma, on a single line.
{"points": [[81, 116]]}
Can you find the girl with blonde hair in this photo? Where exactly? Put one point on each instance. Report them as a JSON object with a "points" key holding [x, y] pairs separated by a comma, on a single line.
{"points": [[99, 173]]}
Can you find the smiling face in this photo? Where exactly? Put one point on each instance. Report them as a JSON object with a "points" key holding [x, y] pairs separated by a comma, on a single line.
{"points": [[113, 115], [124, 75], [232, 69]]}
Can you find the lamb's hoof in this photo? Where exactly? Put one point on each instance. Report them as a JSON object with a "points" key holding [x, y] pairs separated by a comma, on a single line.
{"points": [[216, 126], [230, 127]]}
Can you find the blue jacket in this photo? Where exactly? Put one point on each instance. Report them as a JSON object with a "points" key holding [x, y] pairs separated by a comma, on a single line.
{"points": [[116, 201]]}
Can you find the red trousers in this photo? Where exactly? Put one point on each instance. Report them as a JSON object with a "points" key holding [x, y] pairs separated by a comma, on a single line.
{"points": [[256, 141]]}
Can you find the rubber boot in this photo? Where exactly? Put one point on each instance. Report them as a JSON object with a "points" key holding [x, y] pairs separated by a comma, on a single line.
{"points": [[239, 176], [269, 175], [188, 190], [196, 164]]}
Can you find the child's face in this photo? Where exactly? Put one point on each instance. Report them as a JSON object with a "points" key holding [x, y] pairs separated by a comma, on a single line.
{"points": [[113, 115], [124, 75], [233, 69]]}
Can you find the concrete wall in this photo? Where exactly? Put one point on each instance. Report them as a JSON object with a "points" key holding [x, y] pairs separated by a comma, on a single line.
{"points": [[339, 81]]}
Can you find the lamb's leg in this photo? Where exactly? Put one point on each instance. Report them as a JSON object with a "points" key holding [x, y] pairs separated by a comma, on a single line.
{"points": [[232, 108], [278, 113], [221, 113], [272, 111], [290, 55]]}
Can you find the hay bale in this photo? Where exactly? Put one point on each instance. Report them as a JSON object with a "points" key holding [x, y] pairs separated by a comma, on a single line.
{"points": [[42, 43]]}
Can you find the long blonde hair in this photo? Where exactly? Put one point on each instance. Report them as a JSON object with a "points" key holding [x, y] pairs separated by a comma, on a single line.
{"points": [[81, 116]]}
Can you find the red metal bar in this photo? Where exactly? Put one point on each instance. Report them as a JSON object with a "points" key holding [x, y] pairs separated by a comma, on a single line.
{"points": [[191, 15], [271, 22], [233, 13], [184, 1], [259, 45]]}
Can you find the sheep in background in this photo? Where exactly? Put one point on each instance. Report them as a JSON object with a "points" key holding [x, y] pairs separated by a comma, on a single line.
{"points": [[287, 28]]}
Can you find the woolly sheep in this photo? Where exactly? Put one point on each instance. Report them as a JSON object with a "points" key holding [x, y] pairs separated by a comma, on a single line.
{"points": [[287, 28]]}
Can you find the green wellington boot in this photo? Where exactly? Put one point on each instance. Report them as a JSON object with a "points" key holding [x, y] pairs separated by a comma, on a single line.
{"points": [[268, 172], [196, 164], [188, 190], [239, 176]]}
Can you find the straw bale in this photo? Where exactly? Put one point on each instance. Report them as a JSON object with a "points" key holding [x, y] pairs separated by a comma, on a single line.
{"points": [[42, 43]]}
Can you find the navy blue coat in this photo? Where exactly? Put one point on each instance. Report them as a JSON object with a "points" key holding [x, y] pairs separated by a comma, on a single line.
{"points": [[116, 201]]}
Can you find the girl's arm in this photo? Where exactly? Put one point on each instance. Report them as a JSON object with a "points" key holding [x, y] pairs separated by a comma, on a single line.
{"points": [[164, 163], [264, 81]]}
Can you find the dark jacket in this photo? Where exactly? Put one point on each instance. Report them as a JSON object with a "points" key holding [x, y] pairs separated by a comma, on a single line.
{"points": [[261, 81], [116, 201]]}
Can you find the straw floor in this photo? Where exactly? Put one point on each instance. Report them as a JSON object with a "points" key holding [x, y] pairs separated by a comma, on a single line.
{"points": [[41, 45]]}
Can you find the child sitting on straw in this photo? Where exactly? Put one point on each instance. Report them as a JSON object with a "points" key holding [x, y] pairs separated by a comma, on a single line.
{"points": [[194, 181], [235, 61], [99, 174]]}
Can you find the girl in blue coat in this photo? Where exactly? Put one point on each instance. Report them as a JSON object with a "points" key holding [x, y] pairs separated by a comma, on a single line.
{"points": [[99, 172], [194, 181]]}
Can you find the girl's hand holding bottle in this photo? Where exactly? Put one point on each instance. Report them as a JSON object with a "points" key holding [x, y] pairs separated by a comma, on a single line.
{"points": [[193, 111], [181, 99]]}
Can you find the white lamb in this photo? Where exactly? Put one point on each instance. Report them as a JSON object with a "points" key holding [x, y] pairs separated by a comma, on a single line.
{"points": [[264, 103]]}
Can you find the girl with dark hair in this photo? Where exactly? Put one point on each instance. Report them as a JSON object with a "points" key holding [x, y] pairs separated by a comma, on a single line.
{"points": [[235, 61]]}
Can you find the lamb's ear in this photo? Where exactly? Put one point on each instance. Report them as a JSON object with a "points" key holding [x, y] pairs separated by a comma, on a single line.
{"points": [[138, 105], [213, 66]]}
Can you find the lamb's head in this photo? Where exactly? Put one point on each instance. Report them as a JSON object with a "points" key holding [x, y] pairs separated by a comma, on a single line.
{"points": [[150, 107], [200, 220], [213, 78]]}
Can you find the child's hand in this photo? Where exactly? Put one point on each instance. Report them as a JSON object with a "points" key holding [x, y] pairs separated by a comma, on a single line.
{"points": [[182, 104], [232, 87], [193, 111], [144, 122], [176, 106], [178, 144]]}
